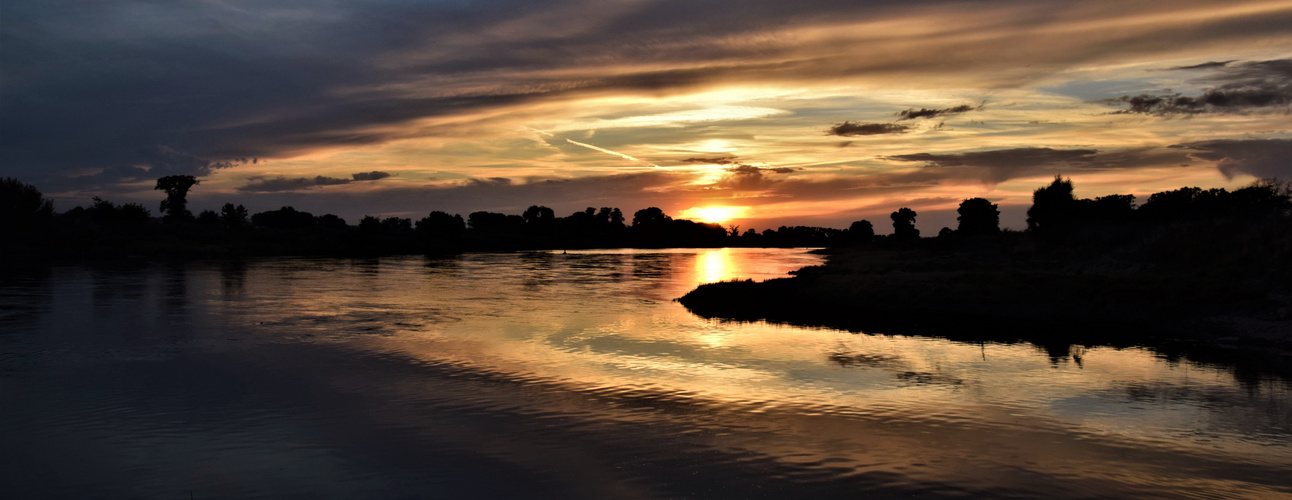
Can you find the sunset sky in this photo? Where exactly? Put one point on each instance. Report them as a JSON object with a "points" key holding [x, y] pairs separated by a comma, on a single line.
{"points": [[786, 113]]}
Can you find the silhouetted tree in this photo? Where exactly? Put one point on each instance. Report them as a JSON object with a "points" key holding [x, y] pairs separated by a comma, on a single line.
{"points": [[603, 216], [441, 225], [861, 231], [284, 218], [904, 224], [23, 209], [1111, 209], [397, 226], [233, 216], [978, 216], [208, 218], [370, 225], [176, 202], [104, 213], [330, 222], [538, 215], [1053, 209], [649, 216], [1175, 204], [494, 222], [1268, 195]]}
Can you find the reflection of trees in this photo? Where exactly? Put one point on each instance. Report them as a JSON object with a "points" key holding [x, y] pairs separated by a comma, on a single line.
{"points": [[233, 277], [175, 299], [27, 294], [651, 265]]}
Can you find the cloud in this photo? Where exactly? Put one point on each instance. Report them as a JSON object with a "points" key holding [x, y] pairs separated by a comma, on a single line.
{"points": [[491, 182], [280, 183], [753, 170], [370, 176], [912, 113], [1004, 164], [1256, 157], [848, 129], [1238, 88], [716, 160], [1016, 157], [1206, 65], [98, 86]]}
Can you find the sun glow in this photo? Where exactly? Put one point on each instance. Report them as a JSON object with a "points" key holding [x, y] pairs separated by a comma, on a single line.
{"points": [[714, 266], [714, 214]]}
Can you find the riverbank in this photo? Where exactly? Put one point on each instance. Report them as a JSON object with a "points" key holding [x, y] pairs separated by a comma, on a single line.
{"points": [[1022, 296]]}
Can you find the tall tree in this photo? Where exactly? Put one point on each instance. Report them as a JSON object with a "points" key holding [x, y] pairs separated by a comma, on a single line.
{"points": [[1053, 208], [978, 216], [442, 225], [649, 216], [904, 224], [861, 231], [233, 216], [175, 206], [23, 208], [537, 215]]}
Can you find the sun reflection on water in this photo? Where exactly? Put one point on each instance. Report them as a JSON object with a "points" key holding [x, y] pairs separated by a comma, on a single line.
{"points": [[590, 343], [714, 265]]}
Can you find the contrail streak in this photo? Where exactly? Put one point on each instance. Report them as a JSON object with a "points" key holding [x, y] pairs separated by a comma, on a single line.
{"points": [[609, 152]]}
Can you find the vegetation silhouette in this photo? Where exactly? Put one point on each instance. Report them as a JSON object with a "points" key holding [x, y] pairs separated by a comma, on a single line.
{"points": [[1187, 263], [175, 206], [904, 224], [978, 216], [24, 211], [1190, 265], [105, 229]]}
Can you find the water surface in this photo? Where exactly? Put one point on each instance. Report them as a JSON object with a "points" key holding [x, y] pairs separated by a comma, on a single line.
{"points": [[574, 375]]}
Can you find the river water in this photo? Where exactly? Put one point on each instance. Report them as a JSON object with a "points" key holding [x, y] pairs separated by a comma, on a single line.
{"points": [[574, 375]]}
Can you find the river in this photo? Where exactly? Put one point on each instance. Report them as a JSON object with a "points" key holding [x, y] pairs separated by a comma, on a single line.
{"points": [[550, 374]]}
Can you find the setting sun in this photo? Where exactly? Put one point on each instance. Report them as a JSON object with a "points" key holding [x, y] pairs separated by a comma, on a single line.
{"points": [[714, 214]]}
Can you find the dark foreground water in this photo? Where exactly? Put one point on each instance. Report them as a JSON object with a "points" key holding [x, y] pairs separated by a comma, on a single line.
{"points": [[574, 375]]}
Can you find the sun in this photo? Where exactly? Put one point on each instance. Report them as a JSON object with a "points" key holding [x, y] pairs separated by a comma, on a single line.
{"points": [[714, 214]]}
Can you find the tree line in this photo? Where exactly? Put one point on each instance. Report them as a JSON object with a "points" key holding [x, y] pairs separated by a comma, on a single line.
{"points": [[1056, 218]]}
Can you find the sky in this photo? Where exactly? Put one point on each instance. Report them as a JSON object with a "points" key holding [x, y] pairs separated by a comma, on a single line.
{"points": [[760, 113]]}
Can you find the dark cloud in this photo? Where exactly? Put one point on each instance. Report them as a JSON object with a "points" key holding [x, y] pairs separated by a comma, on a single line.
{"points": [[717, 160], [1256, 157], [1238, 88], [910, 114], [280, 183], [370, 176], [489, 182], [1016, 157], [750, 177], [1206, 65], [1003, 164], [848, 129]]}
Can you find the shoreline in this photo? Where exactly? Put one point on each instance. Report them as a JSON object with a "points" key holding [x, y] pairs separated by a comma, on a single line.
{"points": [[962, 298]]}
